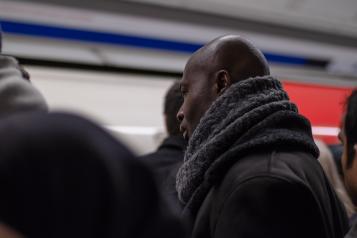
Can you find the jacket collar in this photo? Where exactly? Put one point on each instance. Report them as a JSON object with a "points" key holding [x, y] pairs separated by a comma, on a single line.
{"points": [[176, 142]]}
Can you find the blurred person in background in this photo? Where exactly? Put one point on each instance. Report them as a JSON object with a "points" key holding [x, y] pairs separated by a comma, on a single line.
{"points": [[17, 94], [169, 156], [250, 168], [63, 176], [348, 137], [336, 150], [328, 164]]}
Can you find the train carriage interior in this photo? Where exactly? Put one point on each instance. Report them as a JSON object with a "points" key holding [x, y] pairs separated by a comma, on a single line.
{"points": [[114, 61]]}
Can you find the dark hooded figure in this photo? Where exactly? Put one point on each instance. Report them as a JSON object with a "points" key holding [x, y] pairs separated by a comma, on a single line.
{"points": [[63, 176], [250, 168]]}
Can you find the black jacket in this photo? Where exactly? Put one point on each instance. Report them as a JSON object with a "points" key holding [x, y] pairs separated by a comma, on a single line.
{"points": [[165, 163], [272, 194]]}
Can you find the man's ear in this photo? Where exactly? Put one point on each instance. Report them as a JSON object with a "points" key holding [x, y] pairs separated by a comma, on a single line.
{"points": [[223, 81]]}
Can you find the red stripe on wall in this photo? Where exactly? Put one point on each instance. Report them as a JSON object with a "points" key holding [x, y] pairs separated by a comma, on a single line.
{"points": [[322, 105]]}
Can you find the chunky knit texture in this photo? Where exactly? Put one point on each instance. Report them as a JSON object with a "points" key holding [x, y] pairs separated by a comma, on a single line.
{"points": [[251, 115]]}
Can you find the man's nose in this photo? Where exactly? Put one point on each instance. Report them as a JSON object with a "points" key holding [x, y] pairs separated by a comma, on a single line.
{"points": [[180, 115]]}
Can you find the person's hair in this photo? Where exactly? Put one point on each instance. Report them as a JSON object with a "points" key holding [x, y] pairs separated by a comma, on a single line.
{"points": [[351, 126], [172, 103]]}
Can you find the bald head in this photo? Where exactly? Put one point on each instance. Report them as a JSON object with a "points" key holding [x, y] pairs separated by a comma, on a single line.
{"points": [[213, 69], [232, 53]]}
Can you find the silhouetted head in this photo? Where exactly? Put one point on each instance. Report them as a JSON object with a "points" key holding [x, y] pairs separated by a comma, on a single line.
{"points": [[348, 137], [211, 70], [172, 104], [63, 176]]}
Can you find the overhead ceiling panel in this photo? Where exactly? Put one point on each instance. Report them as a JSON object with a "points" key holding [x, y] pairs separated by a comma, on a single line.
{"points": [[333, 16]]}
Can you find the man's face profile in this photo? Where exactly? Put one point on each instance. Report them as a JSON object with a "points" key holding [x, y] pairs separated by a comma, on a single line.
{"points": [[198, 94]]}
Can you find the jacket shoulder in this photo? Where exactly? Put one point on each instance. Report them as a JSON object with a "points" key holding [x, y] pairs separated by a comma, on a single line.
{"points": [[275, 205], [277, 187], [293, 167], [284, 194]]}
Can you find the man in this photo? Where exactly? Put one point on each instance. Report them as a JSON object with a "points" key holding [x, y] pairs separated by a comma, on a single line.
{"points": [[250, 169], [348, 137], [169, 156]]}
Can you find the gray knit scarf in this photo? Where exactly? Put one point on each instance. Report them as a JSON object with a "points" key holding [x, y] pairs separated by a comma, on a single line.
{"points": [[252, 114]]}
